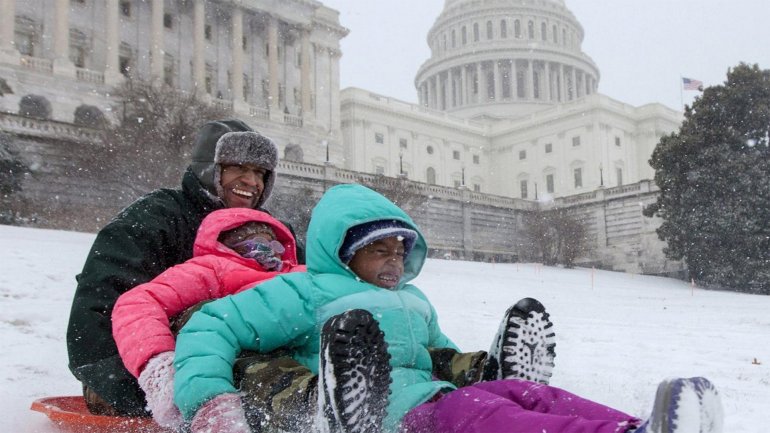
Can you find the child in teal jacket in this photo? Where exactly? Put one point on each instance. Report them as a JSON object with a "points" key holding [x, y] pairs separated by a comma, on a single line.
{"points": [[290, 310]]}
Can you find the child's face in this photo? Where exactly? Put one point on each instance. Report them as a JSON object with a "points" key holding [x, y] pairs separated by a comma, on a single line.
{"points": [[380, 263], [247, 244]]}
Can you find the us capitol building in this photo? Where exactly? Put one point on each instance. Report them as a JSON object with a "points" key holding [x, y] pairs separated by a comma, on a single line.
{"points": [[508, 106]]}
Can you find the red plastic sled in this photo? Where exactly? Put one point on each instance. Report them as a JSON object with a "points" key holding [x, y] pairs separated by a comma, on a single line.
{"points": [[71, 415]]}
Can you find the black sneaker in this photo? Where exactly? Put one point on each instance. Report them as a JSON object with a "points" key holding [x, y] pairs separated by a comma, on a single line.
{"points": [[524, 347], [684, 406], [354, 374]]}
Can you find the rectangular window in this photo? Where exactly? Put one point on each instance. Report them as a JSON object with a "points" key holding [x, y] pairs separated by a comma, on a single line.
{"points": [[523, 186], [617, 141], [125, 8], [456, 154], [578, 172], [549, 183], [576, 141], [402, 143], [476, 187], [476, 159], [124, 63], [207, 31], [548, 147], [378, 169], [168, 21], [379, 138], [244, 43], [522, 154], [620, 176]]}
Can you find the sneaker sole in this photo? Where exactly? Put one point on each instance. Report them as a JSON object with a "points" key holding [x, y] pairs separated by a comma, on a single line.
{"points": [[526, 343], [354, 376]]}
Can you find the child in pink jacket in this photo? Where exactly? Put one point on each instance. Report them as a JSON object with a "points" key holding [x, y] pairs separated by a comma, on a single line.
{"points": [[234, 249]]}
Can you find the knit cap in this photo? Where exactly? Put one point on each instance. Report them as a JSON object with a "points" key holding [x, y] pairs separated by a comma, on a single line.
{"points": [[362, 235]]}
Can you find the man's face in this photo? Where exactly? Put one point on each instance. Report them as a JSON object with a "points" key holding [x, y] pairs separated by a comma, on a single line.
{"points": [[242, 184], [380, 263]]}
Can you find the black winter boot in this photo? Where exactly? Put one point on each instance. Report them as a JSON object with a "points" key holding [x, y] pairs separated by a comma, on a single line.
{"points": [[524, 347], [354, 374]]}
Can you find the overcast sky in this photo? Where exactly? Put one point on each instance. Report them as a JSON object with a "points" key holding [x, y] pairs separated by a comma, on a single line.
{"points": [[642, 47]]}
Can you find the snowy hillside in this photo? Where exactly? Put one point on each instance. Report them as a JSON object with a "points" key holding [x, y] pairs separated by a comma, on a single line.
{"points": [[617, 334]]}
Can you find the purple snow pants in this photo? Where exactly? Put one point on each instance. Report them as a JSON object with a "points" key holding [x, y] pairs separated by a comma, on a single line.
{"points": [[514, 406]]}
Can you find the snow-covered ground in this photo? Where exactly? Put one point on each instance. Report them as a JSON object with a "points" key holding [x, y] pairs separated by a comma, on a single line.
{"points": [[618, 335]]}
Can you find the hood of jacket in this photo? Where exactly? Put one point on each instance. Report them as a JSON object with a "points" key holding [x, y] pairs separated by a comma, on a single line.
{"points": [[345, 206], [225, 219]]}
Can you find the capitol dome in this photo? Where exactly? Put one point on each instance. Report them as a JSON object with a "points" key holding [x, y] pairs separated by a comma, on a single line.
{"points": [[504, 58]]}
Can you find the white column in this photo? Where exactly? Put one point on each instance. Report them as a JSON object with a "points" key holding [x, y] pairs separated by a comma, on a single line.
{"points": [[199, 63], [156, 41], [7, 25], [573, 78], [436, 94], [112, 74], [428, 93], [513, 77], [563, 81], [272, 66], [450, 89], [531, 79], [464, 85], [236, 42], [334, 90], [483, 94], [305, 81], [547, 81], [8, 51], [61, 39], [498, 81]]}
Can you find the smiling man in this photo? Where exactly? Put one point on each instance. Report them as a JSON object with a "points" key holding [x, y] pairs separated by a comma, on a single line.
{"points": [[232, 166]]}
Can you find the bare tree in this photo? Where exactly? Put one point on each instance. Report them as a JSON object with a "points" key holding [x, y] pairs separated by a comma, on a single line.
{"points": [[404, 193], [12, 172], [148, 147], [295, 208], [555, 237]]}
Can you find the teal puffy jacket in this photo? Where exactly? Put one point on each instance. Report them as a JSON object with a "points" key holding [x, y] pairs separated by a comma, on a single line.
{"points": [[290, 310]]}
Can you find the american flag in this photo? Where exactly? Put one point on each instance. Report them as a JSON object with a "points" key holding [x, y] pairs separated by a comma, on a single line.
{"points": [[690, 84]]}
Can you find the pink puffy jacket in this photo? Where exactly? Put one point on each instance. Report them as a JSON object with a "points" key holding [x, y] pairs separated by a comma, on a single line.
{"points": [[140, 319]]}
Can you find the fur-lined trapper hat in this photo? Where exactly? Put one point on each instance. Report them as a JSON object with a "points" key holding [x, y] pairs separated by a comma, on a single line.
{"points": [[203, 165], [238, 148]]}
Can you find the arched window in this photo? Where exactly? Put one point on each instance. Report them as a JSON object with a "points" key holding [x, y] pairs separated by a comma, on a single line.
{"points": [[489, 30], [476, 32], [517, 29], [430, 176], [543, 31], [555, 35], [564, 37], [503, 29], [531, 30], [465, 35], [454, 38]]}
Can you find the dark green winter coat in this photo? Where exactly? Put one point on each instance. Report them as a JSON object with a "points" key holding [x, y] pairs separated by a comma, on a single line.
{"points": [[151, 235]]}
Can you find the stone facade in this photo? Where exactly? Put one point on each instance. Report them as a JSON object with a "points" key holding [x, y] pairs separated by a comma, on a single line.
{"points": [[73, 53]]}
